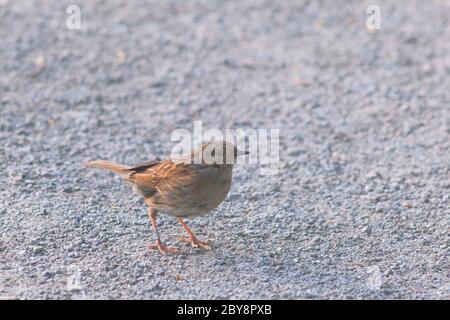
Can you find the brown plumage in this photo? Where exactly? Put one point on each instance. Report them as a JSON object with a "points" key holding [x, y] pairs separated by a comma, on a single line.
{"points": [[180, 187]]}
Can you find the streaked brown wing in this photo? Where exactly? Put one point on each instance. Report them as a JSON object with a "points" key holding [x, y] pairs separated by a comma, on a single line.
{"points": [[169, 173], [142, 177], [144, 165], [151, 176]]}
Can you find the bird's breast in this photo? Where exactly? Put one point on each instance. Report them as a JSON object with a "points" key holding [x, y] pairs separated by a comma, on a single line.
{"points": [[204, 192]]}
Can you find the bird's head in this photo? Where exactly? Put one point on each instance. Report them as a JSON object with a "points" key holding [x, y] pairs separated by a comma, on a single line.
{"points": [[220, 152]]}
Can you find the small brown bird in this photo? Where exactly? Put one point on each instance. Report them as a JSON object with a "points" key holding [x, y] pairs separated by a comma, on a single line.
{"points": [[183, 187]]}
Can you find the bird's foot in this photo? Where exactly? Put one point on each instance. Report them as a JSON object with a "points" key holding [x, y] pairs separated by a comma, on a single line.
{"points": [[195, 242], [158, 245]]}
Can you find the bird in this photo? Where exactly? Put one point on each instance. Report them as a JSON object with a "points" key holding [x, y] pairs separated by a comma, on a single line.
{"points": [[184, 186]]}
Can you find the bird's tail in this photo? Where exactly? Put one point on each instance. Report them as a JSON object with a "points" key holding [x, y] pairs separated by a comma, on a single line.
{"points": [[108, 165]]}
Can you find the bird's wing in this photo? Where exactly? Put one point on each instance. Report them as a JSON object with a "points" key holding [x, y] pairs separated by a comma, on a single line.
{"points": [[144, 165], [152, 175], [166, 176], [142, 178]]}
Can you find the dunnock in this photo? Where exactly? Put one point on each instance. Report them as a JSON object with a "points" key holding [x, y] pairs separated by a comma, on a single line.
{"points": [[182, 187]]}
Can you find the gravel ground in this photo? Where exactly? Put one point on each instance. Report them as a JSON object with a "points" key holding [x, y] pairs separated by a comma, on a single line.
{"points": [[360, 206]]}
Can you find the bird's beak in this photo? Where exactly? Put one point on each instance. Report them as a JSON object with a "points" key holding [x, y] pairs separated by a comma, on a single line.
{"points": [[242, 152]]}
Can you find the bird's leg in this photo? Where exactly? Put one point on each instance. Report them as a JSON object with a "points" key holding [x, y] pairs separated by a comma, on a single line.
{"points": [[192, 239], [159, 245]]}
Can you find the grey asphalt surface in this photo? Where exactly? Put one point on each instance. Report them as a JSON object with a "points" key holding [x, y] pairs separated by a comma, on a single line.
{"points": [[360, 208]]}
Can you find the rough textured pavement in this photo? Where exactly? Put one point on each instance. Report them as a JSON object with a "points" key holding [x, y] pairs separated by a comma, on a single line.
{"points": [[359, 209]]}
